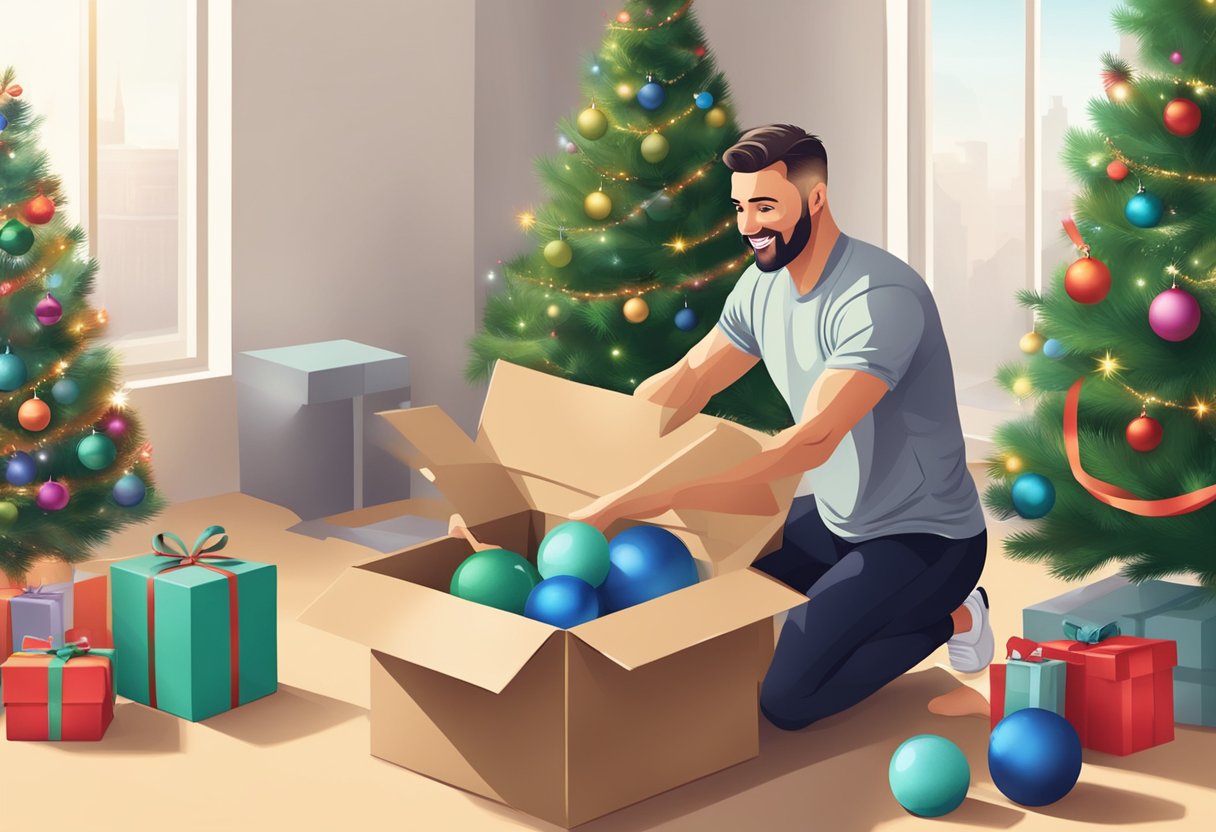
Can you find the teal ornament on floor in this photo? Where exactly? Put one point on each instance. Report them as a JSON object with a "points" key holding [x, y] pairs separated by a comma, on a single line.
{"points": [[96, 452], [16, 238], [574, 548], [929, 775], [1033, 495]]}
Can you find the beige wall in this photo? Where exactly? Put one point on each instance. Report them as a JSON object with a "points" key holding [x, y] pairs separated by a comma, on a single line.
{"points": [[356, 213]]}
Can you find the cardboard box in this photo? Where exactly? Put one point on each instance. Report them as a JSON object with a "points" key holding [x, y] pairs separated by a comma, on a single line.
{"points": [[566, 725]]}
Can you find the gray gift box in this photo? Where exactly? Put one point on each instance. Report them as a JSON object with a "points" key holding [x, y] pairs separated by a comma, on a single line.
{"points": [[1191, 623], [1044, 621], [37, 613], [1195, 696]]}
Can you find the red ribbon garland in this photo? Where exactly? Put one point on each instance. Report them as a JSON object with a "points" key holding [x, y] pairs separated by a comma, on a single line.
{"points": [[1070, 228], [1113, 495]]}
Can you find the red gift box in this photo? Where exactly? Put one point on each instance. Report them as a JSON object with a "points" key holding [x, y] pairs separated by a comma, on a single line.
{"points": [[58, 695], [1119, 694]]}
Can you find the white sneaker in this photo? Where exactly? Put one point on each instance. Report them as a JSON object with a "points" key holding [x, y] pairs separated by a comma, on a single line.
{"points": [[972, 651]]}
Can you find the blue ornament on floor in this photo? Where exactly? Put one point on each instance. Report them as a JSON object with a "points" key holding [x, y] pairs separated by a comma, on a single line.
{"points": [[129, 491], [21, 469], [1034, 756], [563, 601], [647, 561], [1033, 495], [12, 372], [651, 95], [1054, 349], [929, 775], [704, 100], [686, 320], [1144, 210], [65, 391]]}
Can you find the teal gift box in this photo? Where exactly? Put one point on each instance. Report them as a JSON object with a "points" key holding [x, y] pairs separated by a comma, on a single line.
{"points": [[1195, 696], [1035, 685], [196, 630]]}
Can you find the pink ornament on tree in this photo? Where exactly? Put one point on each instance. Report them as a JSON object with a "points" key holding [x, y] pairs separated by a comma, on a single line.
{"points": [[48, 311], [1175, 58], [1174, 314], [115, 425], [52, 496]]}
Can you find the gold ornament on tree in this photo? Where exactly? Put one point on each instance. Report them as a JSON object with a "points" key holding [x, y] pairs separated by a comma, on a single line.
{"points": [[655, 148], [558, 253], [1031, 342], [636, 310], [1022, 387], [716, 117], [592, 123], [597, 205]]}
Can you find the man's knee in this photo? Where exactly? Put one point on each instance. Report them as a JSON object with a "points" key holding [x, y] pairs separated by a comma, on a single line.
{"points": [[783, 708]]}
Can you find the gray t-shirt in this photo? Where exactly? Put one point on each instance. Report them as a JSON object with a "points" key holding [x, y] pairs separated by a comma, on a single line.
{"points": [[902, 468]]}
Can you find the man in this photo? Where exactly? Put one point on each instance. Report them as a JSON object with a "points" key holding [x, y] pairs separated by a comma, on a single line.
{"points": [[892, 542]]}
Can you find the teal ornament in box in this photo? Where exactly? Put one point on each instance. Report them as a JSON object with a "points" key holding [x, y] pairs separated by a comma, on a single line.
{"points": [[196, 631]]}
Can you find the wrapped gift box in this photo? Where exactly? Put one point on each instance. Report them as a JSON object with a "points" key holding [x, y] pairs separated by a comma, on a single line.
{"points": [[7, 594], [1027, 684], [1195, 696], [65, 694], [1132, 607], [90, 605], [197, 632], [38, 613], [1044, 621]]}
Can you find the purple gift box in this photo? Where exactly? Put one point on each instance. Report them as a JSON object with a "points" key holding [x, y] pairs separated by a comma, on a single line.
{"points": [[38, 612]]}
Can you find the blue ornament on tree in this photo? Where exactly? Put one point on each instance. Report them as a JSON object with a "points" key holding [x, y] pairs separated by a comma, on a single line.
{"points": [[12, 372], [129, 491], [65, 391], [651, 95], [1033, 495], [1144, 210], [96, 452], [1034, 756], [563, 601], [54, 281], [3, 122], [686, 320], [646, 562], [929, 775], [704, 100], [1054, 349], [21, 469]]}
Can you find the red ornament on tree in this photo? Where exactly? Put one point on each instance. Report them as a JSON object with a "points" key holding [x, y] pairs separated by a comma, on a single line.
{"points": [[1117, 171], [34, 415], [1144, 433], [623, 17], [39, 210], [1182, 117], [699, 51], [1087, 280]]}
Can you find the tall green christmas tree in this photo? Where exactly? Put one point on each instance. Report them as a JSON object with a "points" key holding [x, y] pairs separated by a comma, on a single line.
{"points": [[1119, 458], [76, 467], [637, 248]]}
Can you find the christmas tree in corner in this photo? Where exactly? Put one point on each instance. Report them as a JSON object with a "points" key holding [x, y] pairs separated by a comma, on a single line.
{"points": [[637, 249], [1118, 459], [75, 466]]}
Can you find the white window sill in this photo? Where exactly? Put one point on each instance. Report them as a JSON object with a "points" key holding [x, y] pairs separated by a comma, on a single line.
{"points": [[177, 378]]}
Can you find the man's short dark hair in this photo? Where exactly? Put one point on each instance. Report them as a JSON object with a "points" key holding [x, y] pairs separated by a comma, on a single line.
{"points": [[802, 152]]}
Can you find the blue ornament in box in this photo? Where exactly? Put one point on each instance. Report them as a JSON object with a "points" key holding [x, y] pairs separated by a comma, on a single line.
{"points": [[129, 491], [563, 601], [651, 95], [1144, 209], [1054, 349], [1033, 495], [704, 100], [646, 562]]}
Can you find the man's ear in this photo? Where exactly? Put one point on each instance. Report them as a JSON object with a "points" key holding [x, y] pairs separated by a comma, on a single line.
{"points": [[817, 198]]}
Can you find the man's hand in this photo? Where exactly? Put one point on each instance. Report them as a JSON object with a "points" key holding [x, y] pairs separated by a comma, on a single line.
{"points": [[606, 510]]}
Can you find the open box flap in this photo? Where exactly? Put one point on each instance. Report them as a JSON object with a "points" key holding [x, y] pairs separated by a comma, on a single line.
{"points": [[465, 474], [665, 625], [480, 645]]}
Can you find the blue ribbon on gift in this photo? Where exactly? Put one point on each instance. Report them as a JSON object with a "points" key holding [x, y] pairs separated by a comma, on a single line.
{"points": [[1089, 633]]}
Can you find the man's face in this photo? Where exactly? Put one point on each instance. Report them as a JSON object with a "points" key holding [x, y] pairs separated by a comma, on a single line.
{"points": [[773, 215]]}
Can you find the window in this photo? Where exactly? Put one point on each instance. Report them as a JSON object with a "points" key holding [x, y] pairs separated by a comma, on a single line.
{"points": [[137, 124], [979, 98]]}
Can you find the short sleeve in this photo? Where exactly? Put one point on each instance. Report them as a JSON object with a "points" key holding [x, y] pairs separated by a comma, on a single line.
{"points": [[738, 320], [878, 333]]}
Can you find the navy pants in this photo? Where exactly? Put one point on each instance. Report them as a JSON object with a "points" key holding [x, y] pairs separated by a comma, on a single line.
{"points": [[877, 608]]}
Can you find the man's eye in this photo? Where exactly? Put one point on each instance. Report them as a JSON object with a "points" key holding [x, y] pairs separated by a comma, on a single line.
{"points": [[764, 209], [738, 209]]}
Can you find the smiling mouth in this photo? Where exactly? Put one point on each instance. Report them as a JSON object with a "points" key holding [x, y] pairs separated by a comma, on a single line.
{"points": [[760, 243]]}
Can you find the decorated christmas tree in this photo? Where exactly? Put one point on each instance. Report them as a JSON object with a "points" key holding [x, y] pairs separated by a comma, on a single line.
{"points": [[1118, 461], [76, 467], [637, 248]]}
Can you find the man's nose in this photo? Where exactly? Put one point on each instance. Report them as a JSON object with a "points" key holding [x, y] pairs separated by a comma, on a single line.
{"points": [[748, 224]]}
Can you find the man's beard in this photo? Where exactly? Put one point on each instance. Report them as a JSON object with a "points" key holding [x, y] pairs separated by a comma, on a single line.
{"points": [[781, 253]]}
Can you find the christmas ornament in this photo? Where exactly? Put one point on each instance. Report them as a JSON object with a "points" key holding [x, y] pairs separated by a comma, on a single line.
{"points": [[114, 425], [1022, 387], [1087, 280], [1182, 117], [3, 122], [12, 372], [65, 391], [686, 320], [1175, 58], [716, 117], [576, 549], [1119, 91], [651, 96], [624, 92], [558, 253], [38, 211], [129, 491], [96, 452], [592, 123], [636, 310], [623, 17], [496, 578], [699, 51], [21, 469], [1144, 209], [54, 281], [1144, 433], [571, 147], [1116, 78], [1174, 314], [645, 562], [1034, 756], [8, 515], [34, 415], [597, 205], [1033, 495], [554, 310], [1053, 348], [1031, 342], [52, 496], [1117, 171], [655, 147], [563, 601], [14, 90], [659, 208], [1013, 464], [16, 238], [929, 775], [704, 100], [48, 311]]}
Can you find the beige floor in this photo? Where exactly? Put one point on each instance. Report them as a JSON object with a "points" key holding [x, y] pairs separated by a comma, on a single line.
{"points": [[299, 760]]}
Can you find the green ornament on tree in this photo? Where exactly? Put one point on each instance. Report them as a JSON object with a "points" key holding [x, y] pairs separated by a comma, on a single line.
{"points": [[8, 515], [495, 578], [16, 238], [96, 452]]}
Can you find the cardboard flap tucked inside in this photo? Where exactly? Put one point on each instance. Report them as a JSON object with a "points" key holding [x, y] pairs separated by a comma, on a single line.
{"points": [[665, 625], [480, 645], [466, 475]]}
